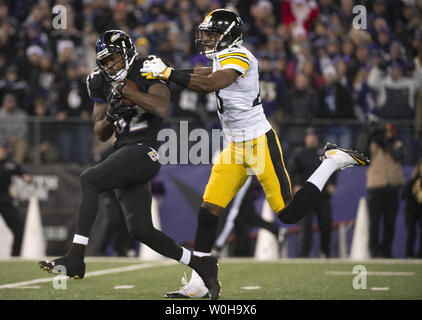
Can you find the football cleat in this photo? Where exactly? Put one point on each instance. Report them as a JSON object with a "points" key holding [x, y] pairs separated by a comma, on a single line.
{"points": [[72, 269], [189, 290], [208, 271], [344, 158]]}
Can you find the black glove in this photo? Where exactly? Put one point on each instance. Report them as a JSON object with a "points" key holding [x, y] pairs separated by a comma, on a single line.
{"points": [[116, 109], [118, 87]]}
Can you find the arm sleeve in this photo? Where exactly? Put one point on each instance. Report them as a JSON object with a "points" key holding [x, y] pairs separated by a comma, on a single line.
{"points": [[235, 60], [94, 87]]}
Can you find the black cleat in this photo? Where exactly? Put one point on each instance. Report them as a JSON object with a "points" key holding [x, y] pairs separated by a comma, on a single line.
{"points": [[344, 158], [208, 271], [72, 269]]}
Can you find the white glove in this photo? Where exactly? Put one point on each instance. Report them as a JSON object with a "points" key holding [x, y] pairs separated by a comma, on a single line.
{"points": [[155, 68]]}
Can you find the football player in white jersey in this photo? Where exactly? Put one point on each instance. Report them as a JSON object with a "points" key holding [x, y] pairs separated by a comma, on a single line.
{"points": [[234, 79]]}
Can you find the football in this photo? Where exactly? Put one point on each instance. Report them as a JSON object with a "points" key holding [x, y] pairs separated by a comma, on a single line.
{"points": [[132, 84]]}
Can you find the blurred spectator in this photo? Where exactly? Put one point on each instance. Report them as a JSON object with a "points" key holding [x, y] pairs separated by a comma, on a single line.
{"points": [[327, 8], [45, 84], [34, 55], [7, 40], [44, 150], [272, 91], [360, 63], [345, 13], [335, 102], [396, 94], [347, 50], [316, 81], [12, 84], [395, 100], [364, 97], [74, 137], [396, 54], [384, 179], [412, 194], [13, 128], [102, 15], [262, 21], [142, 45], [8, 211], [304, 162], [299, 12], [66, 53], [300, 106]]}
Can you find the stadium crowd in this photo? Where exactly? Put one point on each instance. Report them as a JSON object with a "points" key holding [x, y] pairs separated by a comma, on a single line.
{"points": [[315, 66]]}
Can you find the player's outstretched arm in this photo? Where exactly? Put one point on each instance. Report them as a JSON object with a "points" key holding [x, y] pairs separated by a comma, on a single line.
{"points": [[103, 129], [204, 84], [155, 68], [202, 71], [156, 101]]}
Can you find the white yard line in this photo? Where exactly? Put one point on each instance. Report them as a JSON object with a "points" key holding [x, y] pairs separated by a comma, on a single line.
{"points": [[93, 273], [371, 273], [125, 286]]}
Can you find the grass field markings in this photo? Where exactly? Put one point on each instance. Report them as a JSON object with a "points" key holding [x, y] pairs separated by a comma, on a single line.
{"points": [[29, 287], [380, 288], [371, 273], [251, 288], [92, 273], [124, 287]]}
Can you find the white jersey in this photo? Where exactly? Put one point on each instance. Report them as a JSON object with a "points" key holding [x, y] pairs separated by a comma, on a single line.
{"points": [[239, 105]]}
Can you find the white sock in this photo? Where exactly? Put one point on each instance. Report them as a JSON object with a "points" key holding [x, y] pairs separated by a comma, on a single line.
{"points": [[321, 175], [185, 259], [80, 239], [195, 278]]}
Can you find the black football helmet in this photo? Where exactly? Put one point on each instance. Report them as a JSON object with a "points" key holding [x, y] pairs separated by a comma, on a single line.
{"points": [[115, 41], [219, 30]]}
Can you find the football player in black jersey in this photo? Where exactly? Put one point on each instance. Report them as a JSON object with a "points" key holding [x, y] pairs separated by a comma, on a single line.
{"points": [[130, 168]]}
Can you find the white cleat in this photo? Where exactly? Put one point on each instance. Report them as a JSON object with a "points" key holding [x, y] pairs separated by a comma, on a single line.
{"points": [[344, 158], [189, 290]]}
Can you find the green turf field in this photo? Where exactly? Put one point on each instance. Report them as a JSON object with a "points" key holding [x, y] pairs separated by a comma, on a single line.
{"points": [[243, 279]]}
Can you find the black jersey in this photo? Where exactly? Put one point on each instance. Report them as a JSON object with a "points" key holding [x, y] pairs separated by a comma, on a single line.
{"points": [[144, 126], [7, 170]]}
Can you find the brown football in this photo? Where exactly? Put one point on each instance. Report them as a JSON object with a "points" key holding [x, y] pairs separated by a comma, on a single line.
{"points": [[132, 84]]}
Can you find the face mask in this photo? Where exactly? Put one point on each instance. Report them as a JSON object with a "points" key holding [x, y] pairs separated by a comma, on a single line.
{"points": [[121, 75]]}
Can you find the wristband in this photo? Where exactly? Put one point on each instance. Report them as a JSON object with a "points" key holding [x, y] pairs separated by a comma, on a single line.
{"points": [[188, 71], [180, 78]]}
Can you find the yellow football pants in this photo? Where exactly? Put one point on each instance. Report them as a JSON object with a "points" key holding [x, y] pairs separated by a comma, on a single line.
{"points": [[262, 157]]}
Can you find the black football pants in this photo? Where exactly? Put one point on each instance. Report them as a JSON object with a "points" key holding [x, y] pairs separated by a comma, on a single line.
{"points": [[14, 221], [128, 171], [322, 208], [383, 203]]}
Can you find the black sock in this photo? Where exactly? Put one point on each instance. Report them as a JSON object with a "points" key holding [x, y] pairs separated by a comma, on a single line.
{"points": [[194, 262], [206, 231], [76, 251], [300, 204]]}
